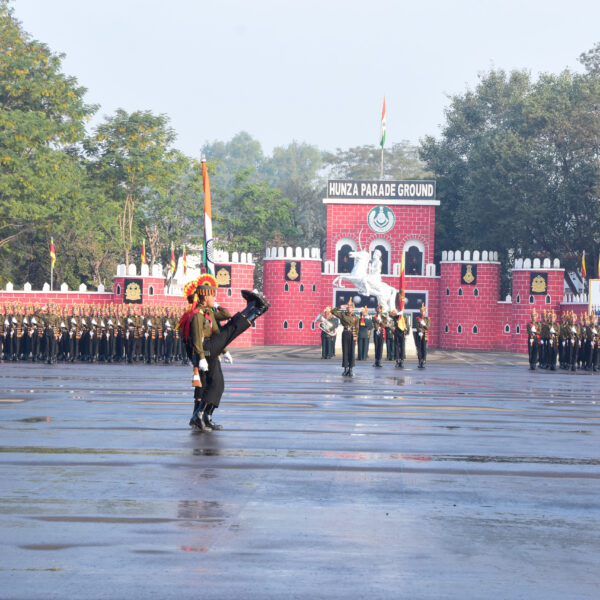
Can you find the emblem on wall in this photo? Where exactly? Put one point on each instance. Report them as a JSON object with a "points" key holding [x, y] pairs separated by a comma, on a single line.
{"points": [[133, 291], [223, 275], [381, 219], [292, 270], [539, 283], [468, 274]]}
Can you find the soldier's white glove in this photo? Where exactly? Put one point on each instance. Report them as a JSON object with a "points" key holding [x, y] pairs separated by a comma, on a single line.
{"points": [[228, 358], [203, 364]]}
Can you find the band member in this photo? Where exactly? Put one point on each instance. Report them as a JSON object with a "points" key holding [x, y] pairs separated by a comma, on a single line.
{"points": [[554, 331], [329, 327], [421, 335], [349, 322], [533, 339], [379, 321], [365, 325], [573, 342], [206, 341]]}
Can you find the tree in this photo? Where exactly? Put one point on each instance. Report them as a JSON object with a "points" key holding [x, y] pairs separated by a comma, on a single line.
{"points": [[517, 166], [401, 161], [253, 217], [42, 116], [130, 157]]}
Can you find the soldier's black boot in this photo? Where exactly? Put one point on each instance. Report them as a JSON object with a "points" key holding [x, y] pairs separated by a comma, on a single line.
{"points": [[208, 419], [196, 405], [345, 373], [198, 418], [257, 305]]}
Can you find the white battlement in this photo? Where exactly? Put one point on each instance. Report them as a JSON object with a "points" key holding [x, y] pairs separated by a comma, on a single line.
{"points": [[289, 253], [527, 264], [457, 256], [575, 299]]}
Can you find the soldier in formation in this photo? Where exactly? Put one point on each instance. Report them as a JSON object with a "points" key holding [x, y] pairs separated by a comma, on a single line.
{"points": [[90, 333], [573, 342]]}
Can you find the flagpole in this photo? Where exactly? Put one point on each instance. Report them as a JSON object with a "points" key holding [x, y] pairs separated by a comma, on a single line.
{"points": [[51, 276], [382, 140]]}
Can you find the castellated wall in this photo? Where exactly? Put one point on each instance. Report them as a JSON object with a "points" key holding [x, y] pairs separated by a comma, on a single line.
{"points": [[295, 300], [469, 292]]}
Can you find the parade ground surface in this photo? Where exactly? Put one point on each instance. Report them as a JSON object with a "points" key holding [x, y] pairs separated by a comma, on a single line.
{"points": [[472, 478]]}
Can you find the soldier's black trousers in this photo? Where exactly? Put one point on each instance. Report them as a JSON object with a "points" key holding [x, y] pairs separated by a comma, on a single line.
{"points": [[390, 344], [213, 384], [421, 344], [400, 343], [533, 347], [347, 349], [378, 345], [363, 348]]}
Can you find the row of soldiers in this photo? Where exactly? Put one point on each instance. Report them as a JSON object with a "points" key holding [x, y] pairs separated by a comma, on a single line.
{"points": [[573, 342], [390, 329], [90, 333]]}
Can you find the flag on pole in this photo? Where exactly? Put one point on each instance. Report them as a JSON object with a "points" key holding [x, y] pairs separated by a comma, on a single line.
{"points": [[143, 252], [52, 253], [172, 258], [382, 142], [207, 254], [402, 284], [184, 262], [583, 271]]}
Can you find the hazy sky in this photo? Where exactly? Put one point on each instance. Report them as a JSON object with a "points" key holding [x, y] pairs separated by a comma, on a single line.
{"points": [[311, 71]]}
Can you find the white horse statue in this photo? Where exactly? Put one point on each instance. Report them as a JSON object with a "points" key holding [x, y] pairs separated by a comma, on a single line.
{"points": [[368, 282]]}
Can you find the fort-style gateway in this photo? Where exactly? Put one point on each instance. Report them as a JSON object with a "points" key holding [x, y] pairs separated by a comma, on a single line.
{"points": [[396, 217]]}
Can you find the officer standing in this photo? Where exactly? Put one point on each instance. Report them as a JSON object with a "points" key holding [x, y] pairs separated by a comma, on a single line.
{"points": [[421, 335], [401, 330], [379, 321], [349, 322], [365, 325]]}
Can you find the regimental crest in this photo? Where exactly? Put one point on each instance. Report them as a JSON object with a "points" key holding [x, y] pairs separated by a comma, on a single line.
{"points": [[539, 283], [133, 291], [223, 275], [381, 219], [292, 270], [468, 274]]}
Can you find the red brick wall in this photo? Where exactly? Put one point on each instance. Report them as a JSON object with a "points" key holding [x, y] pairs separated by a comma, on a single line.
{"points": [[412, 222], [469, 310], [292, 306]]}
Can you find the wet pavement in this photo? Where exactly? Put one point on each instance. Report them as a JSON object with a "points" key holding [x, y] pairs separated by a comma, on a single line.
{"points": [[473, 478]]}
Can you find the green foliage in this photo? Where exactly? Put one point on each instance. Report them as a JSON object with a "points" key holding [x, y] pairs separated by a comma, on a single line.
{"points": [[132, 160], [517, 166], [252, 217], [401, 161]]}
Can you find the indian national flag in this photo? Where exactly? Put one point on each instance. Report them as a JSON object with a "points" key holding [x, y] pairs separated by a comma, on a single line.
{"points": [[172, 258], [207, 255], [583, 270], [382, 142], [52, 253], [184, 262], [143, 252]]}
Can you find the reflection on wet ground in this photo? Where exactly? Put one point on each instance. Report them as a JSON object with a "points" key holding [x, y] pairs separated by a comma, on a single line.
{"points": [[474, 478]]}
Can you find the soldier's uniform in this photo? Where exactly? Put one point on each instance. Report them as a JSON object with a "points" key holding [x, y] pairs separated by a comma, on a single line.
{"points": [[379, 324], [365, 325], [533, 341], [422, 326], [349, 322], [206, 340]]}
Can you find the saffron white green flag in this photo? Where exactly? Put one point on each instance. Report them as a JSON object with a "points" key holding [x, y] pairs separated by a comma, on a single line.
{"points": [[382, 142], [208, 254]]}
